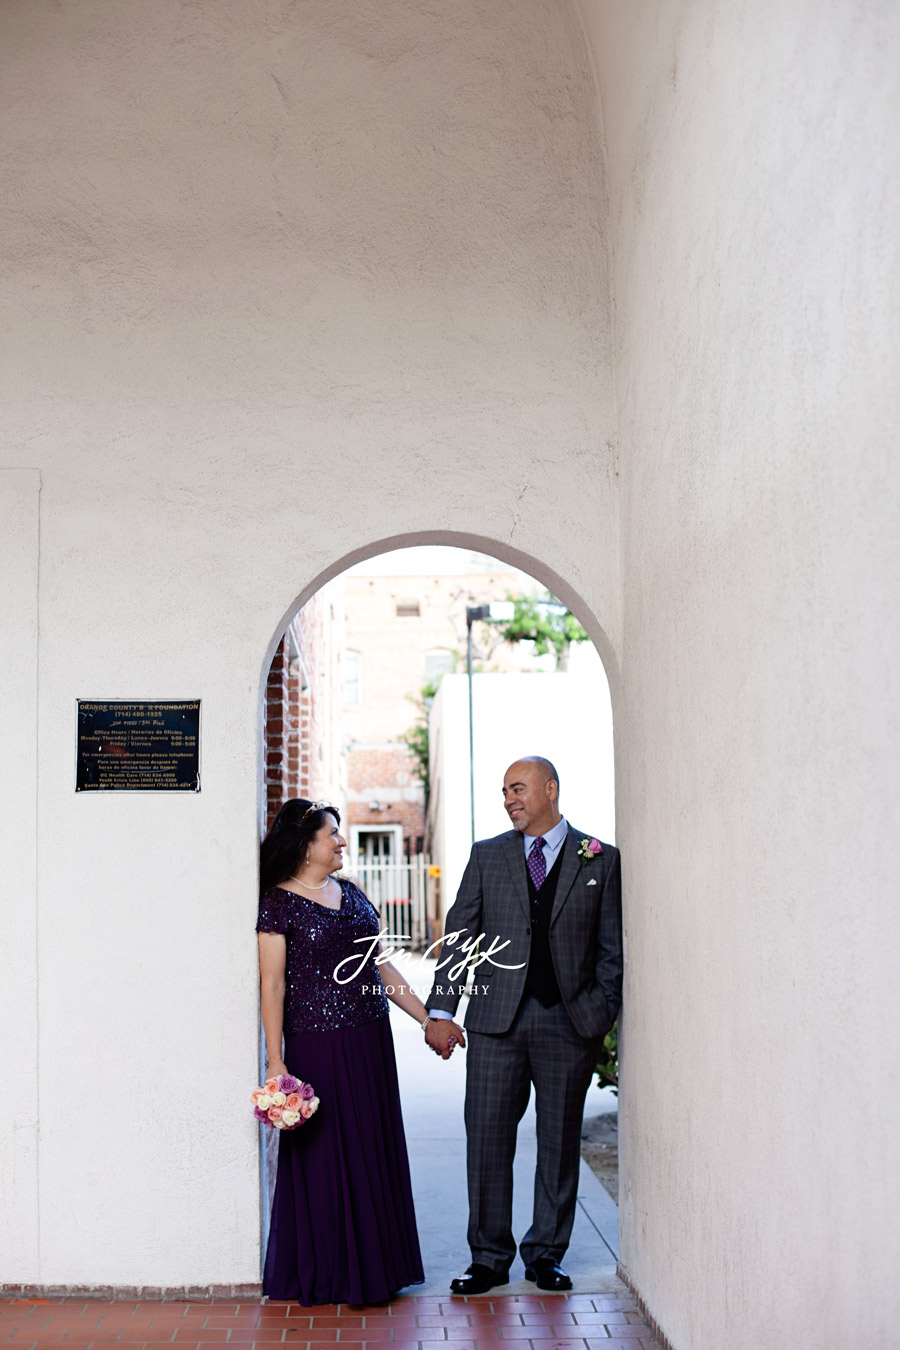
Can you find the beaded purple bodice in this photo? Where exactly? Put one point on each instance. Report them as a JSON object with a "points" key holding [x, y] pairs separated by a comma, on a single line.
{"points": [[318, 939]]}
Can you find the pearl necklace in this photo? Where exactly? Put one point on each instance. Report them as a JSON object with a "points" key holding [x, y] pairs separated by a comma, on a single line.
{"points": [[307, 885]]}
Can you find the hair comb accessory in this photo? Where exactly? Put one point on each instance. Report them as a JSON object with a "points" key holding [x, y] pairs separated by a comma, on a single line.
{"points": [[316, 806]]}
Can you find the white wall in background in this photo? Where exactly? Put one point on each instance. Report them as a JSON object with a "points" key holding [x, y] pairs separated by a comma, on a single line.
{"points": [[565, 716]]}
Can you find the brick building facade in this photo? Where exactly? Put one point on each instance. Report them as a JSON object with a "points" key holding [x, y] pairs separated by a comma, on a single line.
{"points": [[403, 633]]}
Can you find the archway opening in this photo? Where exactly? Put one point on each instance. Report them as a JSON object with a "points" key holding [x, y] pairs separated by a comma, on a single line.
{"points": [[399, 688]]}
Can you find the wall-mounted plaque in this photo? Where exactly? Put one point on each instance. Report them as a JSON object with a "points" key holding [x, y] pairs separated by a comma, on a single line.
{"points": [[138, 747]]}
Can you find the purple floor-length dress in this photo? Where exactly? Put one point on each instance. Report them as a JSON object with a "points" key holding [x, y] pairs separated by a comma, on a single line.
{"points": [[343, 1226]]}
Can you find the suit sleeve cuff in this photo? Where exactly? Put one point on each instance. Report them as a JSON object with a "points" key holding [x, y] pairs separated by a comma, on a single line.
{"points": [[439, 1014]]}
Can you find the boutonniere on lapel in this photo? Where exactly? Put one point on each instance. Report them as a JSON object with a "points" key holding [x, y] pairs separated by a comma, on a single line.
{"points": [[588, 850]]}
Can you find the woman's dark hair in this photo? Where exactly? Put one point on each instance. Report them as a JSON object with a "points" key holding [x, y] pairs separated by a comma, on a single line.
{"points": [[285, 846]]}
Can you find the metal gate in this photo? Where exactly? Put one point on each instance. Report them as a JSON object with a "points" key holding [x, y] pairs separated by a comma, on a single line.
{"points": [[397, 890]]}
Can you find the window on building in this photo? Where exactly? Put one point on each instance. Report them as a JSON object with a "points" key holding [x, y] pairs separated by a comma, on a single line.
{"points": [[374, 846], [407, 608], [352, 679], [439, 662], [377, 846]]}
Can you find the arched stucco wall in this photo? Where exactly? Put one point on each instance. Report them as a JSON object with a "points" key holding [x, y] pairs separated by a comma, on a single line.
{"points": [[287, 281], [535, 567], [284, 278], [754, 196]]}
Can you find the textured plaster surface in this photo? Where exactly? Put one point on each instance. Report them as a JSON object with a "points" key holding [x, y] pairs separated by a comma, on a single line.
{"points": [[283, 281], [753, 178], [20, 1092]]}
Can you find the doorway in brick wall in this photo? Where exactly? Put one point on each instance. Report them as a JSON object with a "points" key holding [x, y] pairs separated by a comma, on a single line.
{"points": [[369, 844], [395, 880]]}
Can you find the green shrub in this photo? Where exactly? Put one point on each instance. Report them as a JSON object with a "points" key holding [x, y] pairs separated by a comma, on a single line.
{"points": [[607, 1069]]}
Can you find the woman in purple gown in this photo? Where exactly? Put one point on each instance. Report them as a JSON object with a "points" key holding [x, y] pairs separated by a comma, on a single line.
{"points": [[343, 1227]]}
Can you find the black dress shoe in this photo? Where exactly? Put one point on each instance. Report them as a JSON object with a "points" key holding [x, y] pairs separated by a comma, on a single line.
{"points": [[478, 1279], [546, 1274]]}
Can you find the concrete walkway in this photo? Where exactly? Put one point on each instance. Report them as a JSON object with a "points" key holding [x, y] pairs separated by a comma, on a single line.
{"points": [[432, 1092]]}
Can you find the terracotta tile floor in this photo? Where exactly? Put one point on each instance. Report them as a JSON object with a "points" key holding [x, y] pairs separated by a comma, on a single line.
{"points": [[533, 1322]]}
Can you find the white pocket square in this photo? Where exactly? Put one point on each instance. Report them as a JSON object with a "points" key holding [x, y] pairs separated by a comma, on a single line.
{"points": [[593, 881]]}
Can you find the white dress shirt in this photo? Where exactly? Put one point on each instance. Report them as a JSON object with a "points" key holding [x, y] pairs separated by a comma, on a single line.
{"points": [[553, 842]]}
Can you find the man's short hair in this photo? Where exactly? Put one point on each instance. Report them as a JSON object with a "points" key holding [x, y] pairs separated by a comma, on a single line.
{"points": [[548, 768]]}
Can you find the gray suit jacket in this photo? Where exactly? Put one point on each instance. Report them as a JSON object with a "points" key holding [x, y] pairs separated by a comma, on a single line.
{"points": [[585, 935]]}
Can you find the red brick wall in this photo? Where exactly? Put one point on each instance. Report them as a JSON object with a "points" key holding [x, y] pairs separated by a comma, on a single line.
{"points": [[284, 749], [408, 814], [370, 766], [304, 732], [376, 771]]}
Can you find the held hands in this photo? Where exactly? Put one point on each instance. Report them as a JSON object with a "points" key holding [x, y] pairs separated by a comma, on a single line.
{"points": [[442, 1036]]}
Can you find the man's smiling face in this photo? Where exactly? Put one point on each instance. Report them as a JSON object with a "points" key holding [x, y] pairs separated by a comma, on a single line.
{"points": [[530, 797]]}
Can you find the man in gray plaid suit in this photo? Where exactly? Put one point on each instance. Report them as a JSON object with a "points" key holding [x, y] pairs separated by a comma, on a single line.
{"points": [[554, 894]]}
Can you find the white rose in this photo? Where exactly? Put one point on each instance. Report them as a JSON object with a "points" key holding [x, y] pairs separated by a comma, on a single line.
{"points": [[290, 1117], [314, 1104], [278, 1099], [264, 1102]]}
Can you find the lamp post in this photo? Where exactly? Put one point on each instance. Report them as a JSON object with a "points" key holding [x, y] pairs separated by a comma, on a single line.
{"points": [[501, 611]]}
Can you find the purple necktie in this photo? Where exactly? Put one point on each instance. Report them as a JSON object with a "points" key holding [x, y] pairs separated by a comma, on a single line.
{"points": [[537, 867]]}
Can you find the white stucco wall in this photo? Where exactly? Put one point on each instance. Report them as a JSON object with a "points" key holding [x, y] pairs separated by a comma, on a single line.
{"points": [[753, 177], [284, 281], [20, 1091], [287, 281]]}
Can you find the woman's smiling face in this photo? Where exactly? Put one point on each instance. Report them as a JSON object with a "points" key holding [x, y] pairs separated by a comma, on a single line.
{"points": [[327, 847]]}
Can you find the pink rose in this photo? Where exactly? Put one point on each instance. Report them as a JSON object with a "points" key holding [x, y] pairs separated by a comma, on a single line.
{"points": [[306, 1092], [289, 1083], [292, 1102], [595, 847], [305, 1109], [274, 1113], [271, 1085]]}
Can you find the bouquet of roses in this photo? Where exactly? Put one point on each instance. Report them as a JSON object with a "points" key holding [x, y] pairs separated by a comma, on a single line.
{"points": [[284, 1102]]}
